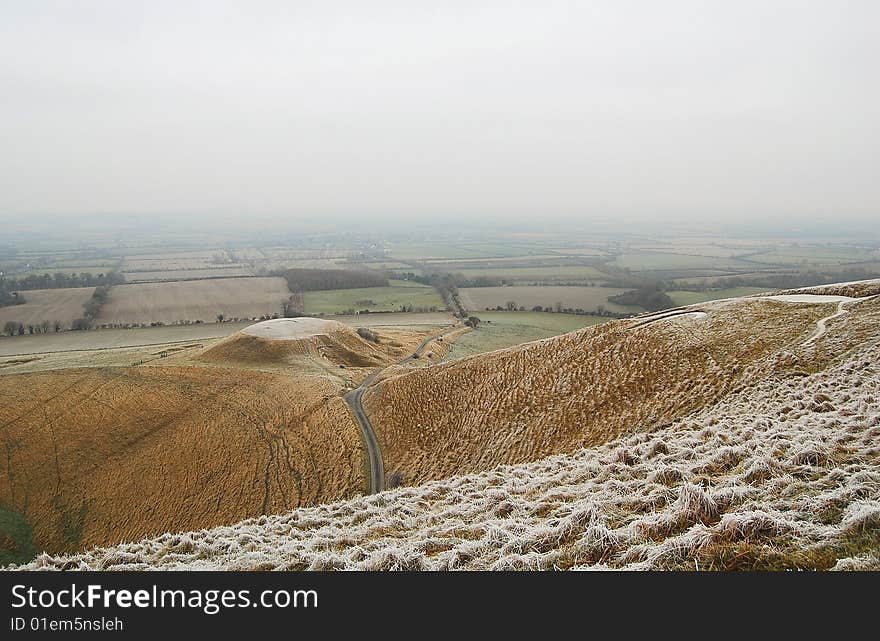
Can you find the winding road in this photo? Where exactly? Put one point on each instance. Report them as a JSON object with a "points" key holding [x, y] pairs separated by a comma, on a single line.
{"points": [[355, 398]]}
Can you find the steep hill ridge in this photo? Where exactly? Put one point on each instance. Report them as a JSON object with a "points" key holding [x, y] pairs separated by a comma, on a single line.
{"points": [[584, 388]]}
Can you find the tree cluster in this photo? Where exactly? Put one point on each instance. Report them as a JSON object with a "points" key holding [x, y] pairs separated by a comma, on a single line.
{"points": [[313, 280], [60, 280]]}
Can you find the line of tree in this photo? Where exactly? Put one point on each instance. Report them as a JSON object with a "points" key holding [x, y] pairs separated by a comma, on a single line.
{"points": [[91, 308], [559, 308], [313, 280], [446, 285], [14, 328], [60, 280], [651, 297], [293, 306]]}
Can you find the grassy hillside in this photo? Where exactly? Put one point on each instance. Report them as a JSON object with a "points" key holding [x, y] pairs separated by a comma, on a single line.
{"points": [[99, 456], [578, 390], [780, 474]]}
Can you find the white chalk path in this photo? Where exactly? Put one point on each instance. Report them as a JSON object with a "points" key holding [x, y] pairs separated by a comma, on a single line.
{"points": [[822, 323], [817, 299]]}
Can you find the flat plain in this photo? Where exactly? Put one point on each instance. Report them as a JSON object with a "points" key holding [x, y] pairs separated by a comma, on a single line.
{"points": [[194, 300], [378, 299], [51, 305], [499, 330]]}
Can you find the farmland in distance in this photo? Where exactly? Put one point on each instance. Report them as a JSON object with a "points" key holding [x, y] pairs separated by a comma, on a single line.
{"points": [[194, 300], [51, 305]]}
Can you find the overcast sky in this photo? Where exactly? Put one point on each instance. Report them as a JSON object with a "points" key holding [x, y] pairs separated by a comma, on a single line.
{"points": [[589, 110]]}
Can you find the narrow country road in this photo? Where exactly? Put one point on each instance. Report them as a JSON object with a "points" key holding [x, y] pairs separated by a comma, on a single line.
{"points": [[355, 397]]}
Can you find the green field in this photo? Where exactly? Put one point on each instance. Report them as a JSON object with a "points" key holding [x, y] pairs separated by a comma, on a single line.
{"points": [[649, 261], [815, 255], [528, 296], [375, 299], [428, 250], [505, 329], [690, 298]]}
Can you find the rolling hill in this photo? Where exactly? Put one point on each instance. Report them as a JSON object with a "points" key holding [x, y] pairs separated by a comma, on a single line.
{"points": [[777, 470], [739, 434], [96, 456]]}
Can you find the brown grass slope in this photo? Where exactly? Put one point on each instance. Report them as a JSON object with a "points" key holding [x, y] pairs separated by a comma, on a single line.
{"points": [[97, 456], [580, 389], [340, 345], [781, 474]]}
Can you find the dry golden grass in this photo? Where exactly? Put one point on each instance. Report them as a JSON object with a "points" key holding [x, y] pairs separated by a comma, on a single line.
{"points": [[340, 352], [99, 456], [577, 390], [780, 475]]}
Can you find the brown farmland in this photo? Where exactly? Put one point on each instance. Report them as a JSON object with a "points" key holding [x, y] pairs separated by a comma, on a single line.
{"points": [[51, 305], [194, 300]]}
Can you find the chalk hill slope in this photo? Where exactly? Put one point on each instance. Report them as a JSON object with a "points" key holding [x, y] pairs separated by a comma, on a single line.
{"points": [[731, 435], [298, 342], [584, 388]]}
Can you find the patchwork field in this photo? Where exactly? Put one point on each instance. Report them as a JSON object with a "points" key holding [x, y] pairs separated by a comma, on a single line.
{"points": [[499, 330], [51, 305], [662, 261], [440, 250], [173, 260], [399, 293], [188, 274], [571, 296], [563, 273], [194, 300], [815, 256]]}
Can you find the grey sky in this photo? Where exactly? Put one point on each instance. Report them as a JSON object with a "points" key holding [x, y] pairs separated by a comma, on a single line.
{"points": [[585, 110]]}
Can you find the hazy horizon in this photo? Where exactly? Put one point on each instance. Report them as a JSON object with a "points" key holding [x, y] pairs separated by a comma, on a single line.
{"points": [[715, 113]]}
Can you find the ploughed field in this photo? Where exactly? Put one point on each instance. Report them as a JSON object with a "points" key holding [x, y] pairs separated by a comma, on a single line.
{"points": [[194, 300], [63, 305]]}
